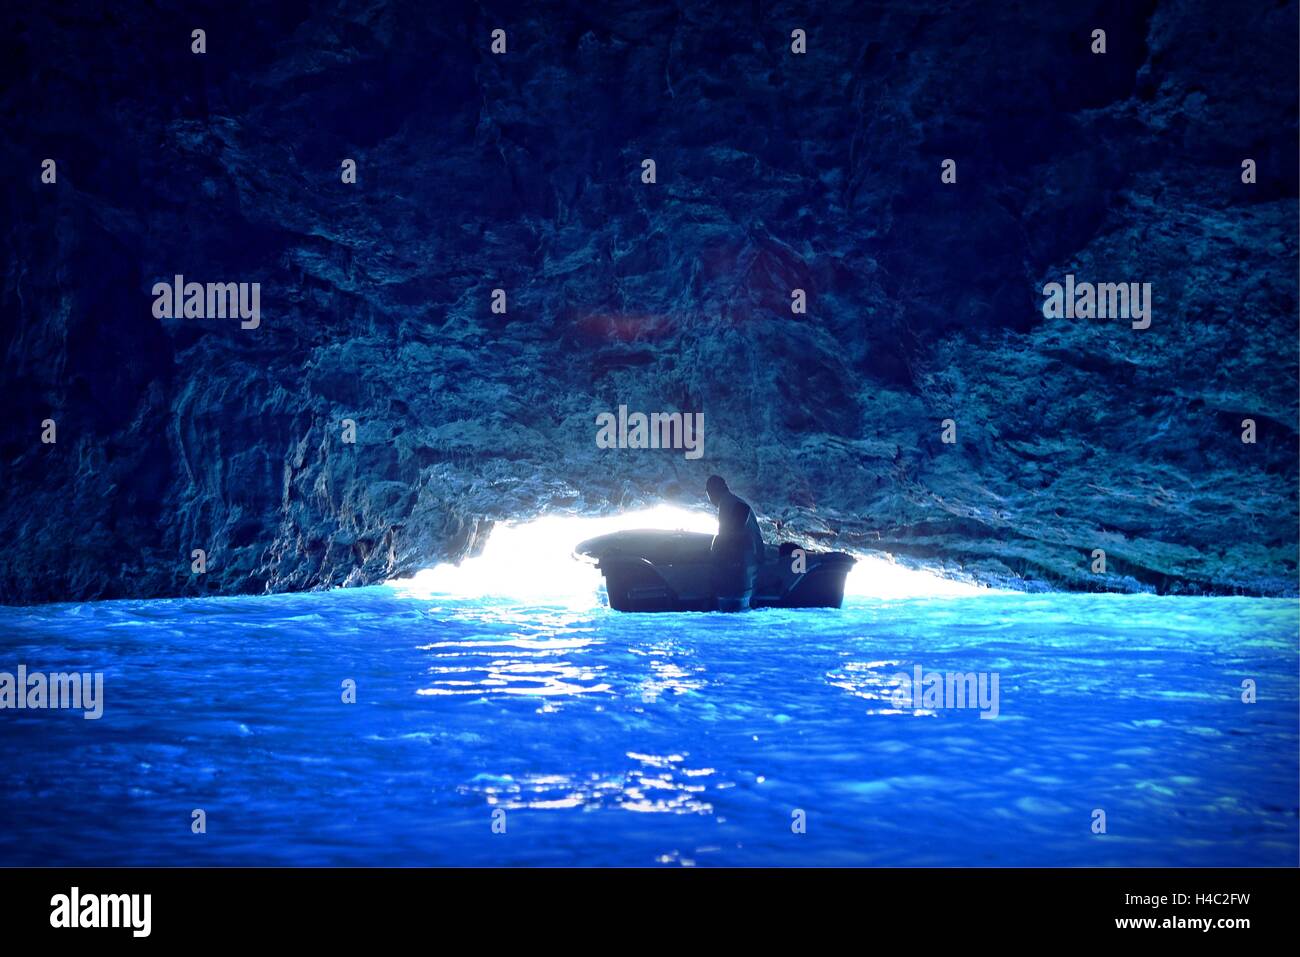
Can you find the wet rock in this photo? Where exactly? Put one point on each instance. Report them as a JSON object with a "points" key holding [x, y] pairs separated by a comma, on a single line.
{"points": [[522, 172]]}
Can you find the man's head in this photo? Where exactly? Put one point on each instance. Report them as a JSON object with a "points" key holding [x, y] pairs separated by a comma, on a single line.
{"points": [[714, 488]]}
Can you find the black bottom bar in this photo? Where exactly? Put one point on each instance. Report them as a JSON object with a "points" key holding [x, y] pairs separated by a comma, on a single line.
{"points": [[567, 907]]}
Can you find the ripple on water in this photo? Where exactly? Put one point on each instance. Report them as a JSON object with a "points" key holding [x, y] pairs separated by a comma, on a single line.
{"points": [[677, 739]]}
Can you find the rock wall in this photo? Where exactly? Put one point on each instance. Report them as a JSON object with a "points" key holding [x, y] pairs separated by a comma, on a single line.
{"points": [[523, 172]]}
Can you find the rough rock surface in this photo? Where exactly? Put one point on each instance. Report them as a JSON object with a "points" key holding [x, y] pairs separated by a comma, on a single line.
{"points": [[523, 172]]}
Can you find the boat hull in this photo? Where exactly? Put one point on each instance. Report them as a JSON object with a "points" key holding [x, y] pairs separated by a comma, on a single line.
{"points": [[656, 571]]}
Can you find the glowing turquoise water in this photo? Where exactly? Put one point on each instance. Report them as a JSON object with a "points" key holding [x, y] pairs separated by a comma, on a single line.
{"points": [[636, 740]]}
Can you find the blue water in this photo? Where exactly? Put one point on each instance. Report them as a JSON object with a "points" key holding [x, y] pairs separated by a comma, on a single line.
{"points": [[611, 739]]}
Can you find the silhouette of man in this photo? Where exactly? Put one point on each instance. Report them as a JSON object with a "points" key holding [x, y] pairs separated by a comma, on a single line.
{"points": [[737, 549]]}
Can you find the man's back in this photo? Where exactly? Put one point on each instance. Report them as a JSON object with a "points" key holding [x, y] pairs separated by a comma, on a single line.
{"points": [[737, 548], [739, 537]]}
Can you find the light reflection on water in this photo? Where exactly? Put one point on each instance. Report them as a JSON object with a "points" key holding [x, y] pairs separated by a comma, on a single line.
{"points": [[674, 739], [517, 665]]}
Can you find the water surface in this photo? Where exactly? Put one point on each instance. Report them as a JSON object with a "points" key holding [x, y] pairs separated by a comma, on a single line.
{"points": [[611, 739]]}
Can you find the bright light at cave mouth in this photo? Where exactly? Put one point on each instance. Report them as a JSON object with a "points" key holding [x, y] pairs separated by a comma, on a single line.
{"points": [[533, 561]]}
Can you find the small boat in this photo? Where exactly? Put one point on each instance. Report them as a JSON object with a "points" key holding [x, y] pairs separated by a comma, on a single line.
{"points": [[652, 570]]}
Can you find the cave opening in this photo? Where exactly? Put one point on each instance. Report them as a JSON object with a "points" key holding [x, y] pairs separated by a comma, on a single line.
{"points": [[533, 561]]}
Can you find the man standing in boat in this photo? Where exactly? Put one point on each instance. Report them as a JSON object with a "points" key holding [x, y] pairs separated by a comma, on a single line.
{"points": [[737, 549]]}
